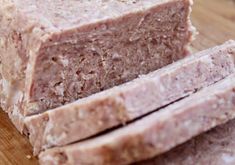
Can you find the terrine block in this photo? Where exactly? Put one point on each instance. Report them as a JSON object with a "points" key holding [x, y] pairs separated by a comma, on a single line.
{"points": [[119, 105], [53, 52], [155, 133]]}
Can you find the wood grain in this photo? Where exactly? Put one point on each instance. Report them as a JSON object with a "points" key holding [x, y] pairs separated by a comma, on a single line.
{"points": [[215, 21], [14, 148]]}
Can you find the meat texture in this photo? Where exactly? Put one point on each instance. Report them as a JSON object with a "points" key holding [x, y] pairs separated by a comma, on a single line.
{"points": [[216, 147], [92, 115], [155, 133], [53, 52]]}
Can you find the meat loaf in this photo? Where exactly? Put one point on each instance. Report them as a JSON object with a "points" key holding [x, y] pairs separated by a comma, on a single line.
{"points": [[54, 51], [155, 133], [215, 147], [116, 106]]}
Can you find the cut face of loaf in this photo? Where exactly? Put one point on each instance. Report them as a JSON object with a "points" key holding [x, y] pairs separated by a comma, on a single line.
{"points": [[54, 52], [94, 114], [155, 133], [215, 147]]}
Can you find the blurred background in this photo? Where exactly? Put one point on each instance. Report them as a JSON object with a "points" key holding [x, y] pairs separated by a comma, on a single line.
{"points": [[215, 22]]}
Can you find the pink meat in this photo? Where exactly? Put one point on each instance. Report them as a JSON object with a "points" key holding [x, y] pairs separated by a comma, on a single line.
{"points": [[53, 52]]}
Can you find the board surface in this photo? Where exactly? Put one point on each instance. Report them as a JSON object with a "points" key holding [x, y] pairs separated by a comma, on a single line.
{"points": [[215, 22]]}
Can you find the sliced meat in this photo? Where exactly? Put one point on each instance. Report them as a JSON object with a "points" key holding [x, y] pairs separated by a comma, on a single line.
{"points": [[53, 52], [94, 114], [155, 133], [216, 147]]}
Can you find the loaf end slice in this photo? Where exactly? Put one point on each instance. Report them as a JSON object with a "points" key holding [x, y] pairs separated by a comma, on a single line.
{"points": [[155, 133], [92, 115], [213, 147]]}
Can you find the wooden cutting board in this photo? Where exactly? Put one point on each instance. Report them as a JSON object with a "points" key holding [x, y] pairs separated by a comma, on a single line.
{"points": [[215, 21]]}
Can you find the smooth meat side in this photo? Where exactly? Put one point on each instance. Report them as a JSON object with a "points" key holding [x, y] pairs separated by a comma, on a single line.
{"points": [[94, 114], [153, 134], [215, 147], [20, 39], [58, 54]]}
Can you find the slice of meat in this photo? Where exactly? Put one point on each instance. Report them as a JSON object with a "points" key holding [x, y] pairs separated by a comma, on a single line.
{"points": [[94, 114], [216, 147], [53, 52], [155, 133]]}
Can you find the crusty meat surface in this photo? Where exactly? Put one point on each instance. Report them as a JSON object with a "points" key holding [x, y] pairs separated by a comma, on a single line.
{"points": [[94, 114], [215, 147], [54, 52], [155, 133]]}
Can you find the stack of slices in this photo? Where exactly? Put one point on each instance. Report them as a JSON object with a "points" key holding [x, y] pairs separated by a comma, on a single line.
{"points": [[111, 82]]}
